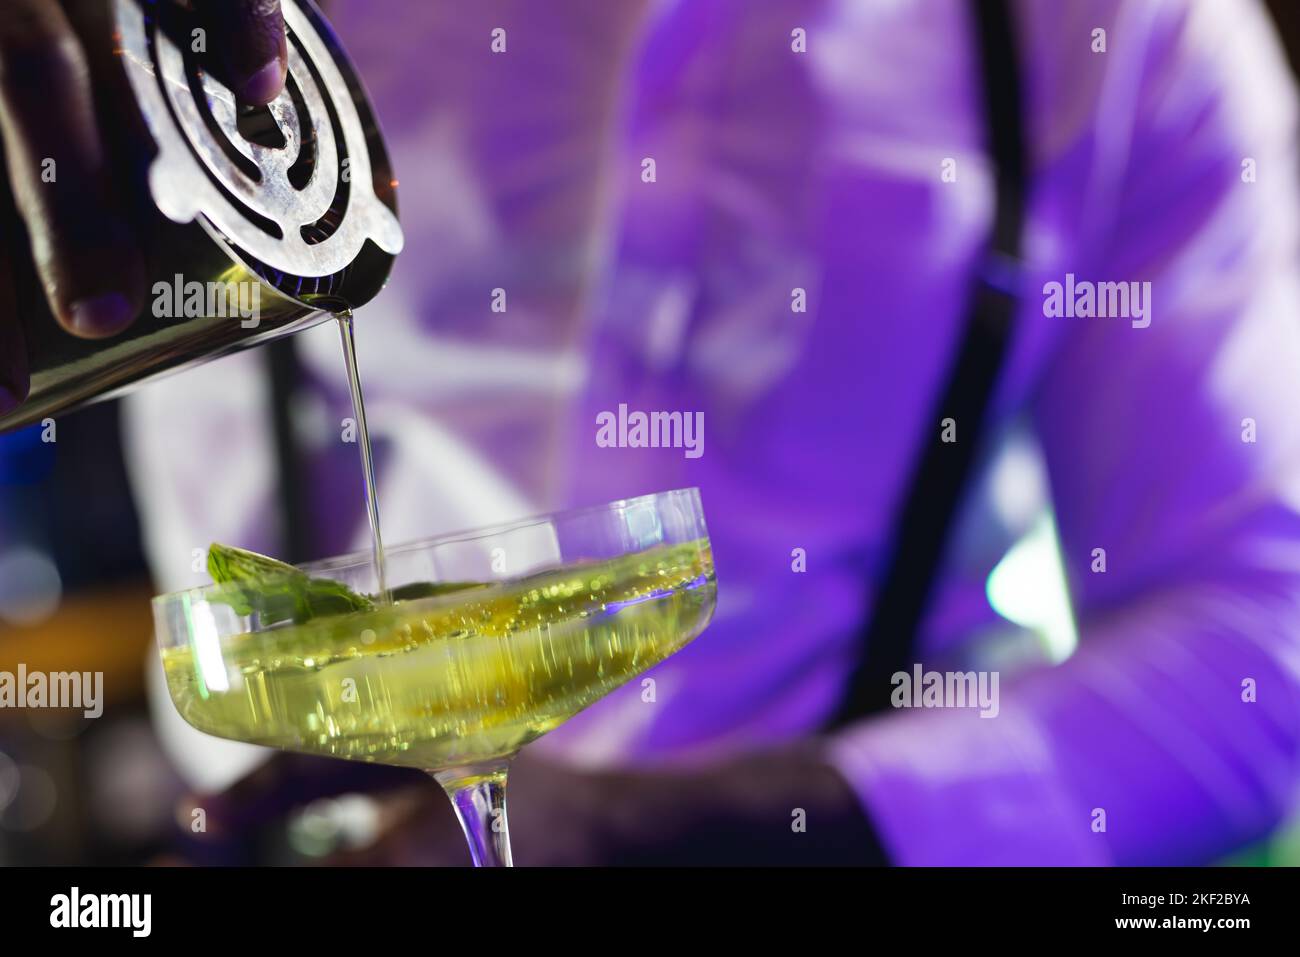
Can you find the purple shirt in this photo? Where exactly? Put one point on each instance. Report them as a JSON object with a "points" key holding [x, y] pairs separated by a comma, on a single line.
{"points": [[1167, 159]]}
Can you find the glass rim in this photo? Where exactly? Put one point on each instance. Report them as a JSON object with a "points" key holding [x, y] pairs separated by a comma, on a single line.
{"points": [[363, 556]]}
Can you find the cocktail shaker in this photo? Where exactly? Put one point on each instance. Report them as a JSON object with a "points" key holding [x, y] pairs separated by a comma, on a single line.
{"points": [[261, 221]]}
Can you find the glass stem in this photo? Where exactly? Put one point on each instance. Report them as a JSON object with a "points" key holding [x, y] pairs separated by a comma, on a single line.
{"points": [[478, 793]]}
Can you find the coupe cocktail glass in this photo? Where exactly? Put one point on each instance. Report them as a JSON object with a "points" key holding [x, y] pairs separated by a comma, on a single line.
{"points": [[493, 637]]}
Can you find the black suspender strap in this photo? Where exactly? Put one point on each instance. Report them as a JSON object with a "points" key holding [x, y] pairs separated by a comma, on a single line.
{"points": [[886, 644], [292, 482]]}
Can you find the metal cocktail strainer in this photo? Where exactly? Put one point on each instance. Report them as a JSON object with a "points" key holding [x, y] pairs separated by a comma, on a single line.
{"points": [[291, 207]]}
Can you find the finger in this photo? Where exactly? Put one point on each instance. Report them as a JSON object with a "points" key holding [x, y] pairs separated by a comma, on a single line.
{"points": [[288, 781], [83, 248], [247, 36], [127, 140], [14, 381]]}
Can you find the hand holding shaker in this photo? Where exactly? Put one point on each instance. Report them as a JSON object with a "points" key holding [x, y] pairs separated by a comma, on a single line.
{"points": [[256, 221]]}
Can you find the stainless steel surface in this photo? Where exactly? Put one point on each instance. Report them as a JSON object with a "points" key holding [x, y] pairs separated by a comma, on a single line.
{"points": [[296, 199]]}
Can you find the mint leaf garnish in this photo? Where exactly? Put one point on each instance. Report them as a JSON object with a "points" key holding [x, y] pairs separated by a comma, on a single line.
{"points": [[253, 583]]}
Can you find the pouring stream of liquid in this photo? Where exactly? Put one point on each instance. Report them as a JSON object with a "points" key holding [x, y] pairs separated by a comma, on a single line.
{"points": [[346, 333]]}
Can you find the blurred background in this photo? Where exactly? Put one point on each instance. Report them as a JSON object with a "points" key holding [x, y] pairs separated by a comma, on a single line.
{"points": [[74, 595]]}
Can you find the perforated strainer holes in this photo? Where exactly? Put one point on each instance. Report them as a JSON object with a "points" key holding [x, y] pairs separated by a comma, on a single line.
{"points": [[257, 124], [171, 24], [304, 167], [328, 224], [272, 185]]}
